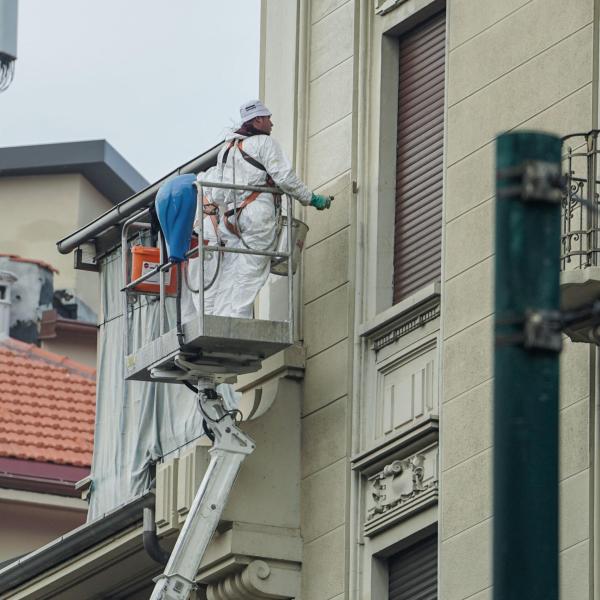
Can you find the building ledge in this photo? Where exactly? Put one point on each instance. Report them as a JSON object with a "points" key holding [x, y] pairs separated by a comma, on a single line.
{"points": [[231, 550], [578, 288], [404, 310], [409, 440]]}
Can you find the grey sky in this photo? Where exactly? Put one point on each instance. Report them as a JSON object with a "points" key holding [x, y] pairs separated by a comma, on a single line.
{"points": [[158, 79]]}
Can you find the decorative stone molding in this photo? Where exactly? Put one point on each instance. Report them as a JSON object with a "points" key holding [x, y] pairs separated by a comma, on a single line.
{"points": [[401, 488], [406, 327], [259, 580]]}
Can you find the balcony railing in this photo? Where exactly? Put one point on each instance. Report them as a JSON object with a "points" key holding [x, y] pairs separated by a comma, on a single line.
{"points": [[580, 227]]}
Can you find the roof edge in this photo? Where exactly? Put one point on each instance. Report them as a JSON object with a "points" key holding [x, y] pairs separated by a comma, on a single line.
{"points": [[100, 163], [127, 207], [75, 542]]}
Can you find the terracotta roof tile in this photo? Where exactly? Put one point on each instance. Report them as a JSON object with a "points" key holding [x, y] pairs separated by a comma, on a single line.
{"points": [[47, 405]]}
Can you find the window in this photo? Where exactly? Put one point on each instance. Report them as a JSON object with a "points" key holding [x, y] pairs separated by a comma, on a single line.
{"points": [[419, 157], [413, 572]]}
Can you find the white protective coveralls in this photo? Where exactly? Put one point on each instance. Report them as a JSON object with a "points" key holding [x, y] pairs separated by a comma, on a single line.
{"points": [[190, 300], [244, 274]]}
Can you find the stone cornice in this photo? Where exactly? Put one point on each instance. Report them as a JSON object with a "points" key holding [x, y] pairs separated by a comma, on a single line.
{"points": [[258, 580]]}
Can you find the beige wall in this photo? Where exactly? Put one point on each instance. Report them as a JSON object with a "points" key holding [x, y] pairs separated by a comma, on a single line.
{"points": [[39, 210], [327, 297], [315, 124], [29, 520], [512, 64], [81, 350]]}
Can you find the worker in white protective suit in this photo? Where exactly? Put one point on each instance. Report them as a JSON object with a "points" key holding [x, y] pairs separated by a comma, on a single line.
{"points": [[214, 262], [250, 156]]}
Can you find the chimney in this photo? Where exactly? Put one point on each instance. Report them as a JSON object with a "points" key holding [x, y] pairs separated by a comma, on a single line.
{"points": [[6, 281]]}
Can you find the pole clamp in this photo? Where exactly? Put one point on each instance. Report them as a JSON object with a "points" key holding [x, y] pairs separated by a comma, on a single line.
{"points": [[537, 330], [535, 181], [542, 330]]}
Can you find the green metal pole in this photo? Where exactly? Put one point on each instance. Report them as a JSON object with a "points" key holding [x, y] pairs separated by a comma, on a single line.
{"points": [[525, 563]]}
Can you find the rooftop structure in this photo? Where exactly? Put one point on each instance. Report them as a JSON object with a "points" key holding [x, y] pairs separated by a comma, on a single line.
{"points": [[96, 160]]}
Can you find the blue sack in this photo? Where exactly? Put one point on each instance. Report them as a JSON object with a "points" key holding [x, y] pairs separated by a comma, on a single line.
{"points": [[176, 208]]}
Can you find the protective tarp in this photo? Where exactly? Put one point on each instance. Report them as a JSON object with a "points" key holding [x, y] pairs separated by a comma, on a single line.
{"points": [[136, 422]]}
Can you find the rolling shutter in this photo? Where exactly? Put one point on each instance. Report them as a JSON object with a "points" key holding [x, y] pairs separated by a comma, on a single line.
{"points": [[413, 572], [419, 158]]}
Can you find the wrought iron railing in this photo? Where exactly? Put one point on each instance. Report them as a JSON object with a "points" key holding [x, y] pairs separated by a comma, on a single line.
{"points": [[580, 227]]}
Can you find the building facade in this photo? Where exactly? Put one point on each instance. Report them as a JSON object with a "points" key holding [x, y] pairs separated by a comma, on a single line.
{"points": [[372, 476], [46, 191]]}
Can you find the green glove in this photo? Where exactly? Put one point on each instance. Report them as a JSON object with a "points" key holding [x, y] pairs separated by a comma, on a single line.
{"points": [[320, 202]]}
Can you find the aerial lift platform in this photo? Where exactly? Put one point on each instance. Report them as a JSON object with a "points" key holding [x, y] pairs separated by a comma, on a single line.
{"points": [[200, 353]]}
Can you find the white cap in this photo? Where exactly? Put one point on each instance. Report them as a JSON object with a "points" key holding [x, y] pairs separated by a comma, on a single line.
{"points": [[253, 108]]}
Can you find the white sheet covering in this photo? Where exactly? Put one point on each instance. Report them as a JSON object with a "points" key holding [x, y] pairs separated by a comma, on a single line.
{"points": [[136, 422]]}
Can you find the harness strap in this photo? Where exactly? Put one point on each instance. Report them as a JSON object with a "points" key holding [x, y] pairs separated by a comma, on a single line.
{"points": [[233, 227], [210, 209]]}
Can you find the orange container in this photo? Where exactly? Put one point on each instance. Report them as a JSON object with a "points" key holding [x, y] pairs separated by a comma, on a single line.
{"points": [[144, 259]]}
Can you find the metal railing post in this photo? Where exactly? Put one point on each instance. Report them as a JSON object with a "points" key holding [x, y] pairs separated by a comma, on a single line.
{"points": [[200, 211], [290, 260], [591, 196], [161, 284], [124, 267]]}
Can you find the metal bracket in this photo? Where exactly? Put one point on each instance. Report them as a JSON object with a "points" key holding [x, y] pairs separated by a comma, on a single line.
{"points": [[81, 265], [537, 181], [542, 330]]}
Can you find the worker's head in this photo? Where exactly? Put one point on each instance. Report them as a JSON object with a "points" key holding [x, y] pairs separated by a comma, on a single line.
{"points": [[255, 115]]}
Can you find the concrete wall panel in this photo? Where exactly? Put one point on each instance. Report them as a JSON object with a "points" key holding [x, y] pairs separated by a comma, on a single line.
{"points": [[324, 437], [279, 69], [329, 153], [470, 17], [574, 509], [326, 321], [572, 113], [331, 97], [331, 40], [512, 42], [469, 297], [472, 482], [323, 567], [325, 223], [574, 373], [469, 182], [326, 377], [469, 239], [574, 439], [327, 263], [467, 425], [324, 501], [322, 8], [574, 572], [520, 94], [466, 563], [468, 359]]}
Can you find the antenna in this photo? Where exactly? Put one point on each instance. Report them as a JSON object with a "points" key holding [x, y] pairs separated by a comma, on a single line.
{"points": [[8, 42]]}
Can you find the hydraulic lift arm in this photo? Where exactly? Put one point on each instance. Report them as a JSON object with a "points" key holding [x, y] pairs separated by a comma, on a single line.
{"points": [[230, 448]]}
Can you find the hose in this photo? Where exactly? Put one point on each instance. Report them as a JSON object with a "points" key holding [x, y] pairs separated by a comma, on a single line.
{"points": [[178, 324]]}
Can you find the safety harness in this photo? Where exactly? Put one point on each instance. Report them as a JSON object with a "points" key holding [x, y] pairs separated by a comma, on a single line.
{"points": [[233, 227]]}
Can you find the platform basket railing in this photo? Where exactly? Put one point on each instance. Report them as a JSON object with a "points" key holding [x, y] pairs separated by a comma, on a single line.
{"points": [[139, 221]]}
